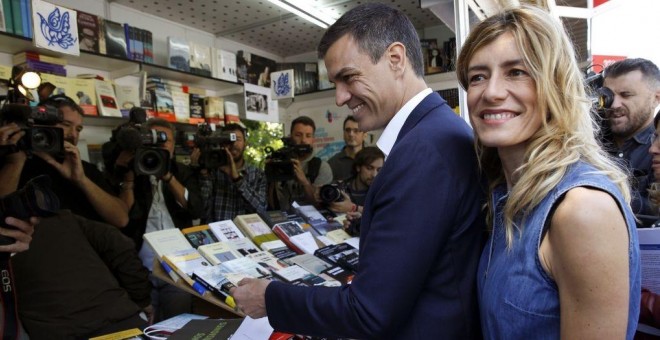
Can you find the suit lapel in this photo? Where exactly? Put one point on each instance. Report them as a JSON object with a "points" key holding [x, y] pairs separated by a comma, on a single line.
{"points": [[429, 103]]}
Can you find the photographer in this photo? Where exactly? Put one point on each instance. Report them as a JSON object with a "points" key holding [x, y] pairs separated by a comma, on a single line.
{"points": [[234, 188], [80, 277], [310, 172], [79, 184], [172, 200]]}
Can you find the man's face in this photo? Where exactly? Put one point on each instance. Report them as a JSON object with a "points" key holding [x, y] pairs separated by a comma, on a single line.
{"points": [[352, 134], [238, 147], [302, 134], [367, 173], [169, 143], [633, 105], [71, 124], [372, 92]]}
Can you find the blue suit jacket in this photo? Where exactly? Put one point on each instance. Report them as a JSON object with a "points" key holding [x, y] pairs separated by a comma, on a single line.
{"points": [[421, 238]]}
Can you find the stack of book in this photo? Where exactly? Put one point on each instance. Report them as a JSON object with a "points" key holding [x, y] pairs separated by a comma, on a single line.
{"points": [[40, 63]]}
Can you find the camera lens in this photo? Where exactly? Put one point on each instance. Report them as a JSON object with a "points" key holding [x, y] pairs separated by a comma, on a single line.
{"points": [[44, 139], [151, 161], [330, 193]]}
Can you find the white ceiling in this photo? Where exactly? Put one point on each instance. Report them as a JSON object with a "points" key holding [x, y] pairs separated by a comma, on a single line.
{"points": [[262, 24], [266, 26]]}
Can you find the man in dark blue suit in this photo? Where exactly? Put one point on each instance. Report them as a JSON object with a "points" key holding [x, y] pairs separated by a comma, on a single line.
{"points": [[422, 224]]}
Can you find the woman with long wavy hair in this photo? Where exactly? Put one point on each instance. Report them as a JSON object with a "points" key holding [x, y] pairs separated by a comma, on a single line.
{"points": [[563, 257]]}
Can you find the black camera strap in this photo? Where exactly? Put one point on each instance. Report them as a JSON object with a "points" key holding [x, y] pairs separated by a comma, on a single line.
{"points": [[9, 313]]}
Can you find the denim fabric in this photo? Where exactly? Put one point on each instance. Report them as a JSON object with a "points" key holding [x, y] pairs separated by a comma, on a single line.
{"points": [[517, 299]]}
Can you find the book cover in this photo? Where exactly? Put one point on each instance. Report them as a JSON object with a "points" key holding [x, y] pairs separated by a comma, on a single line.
{"points": [[84, 93], [244, 265], [162, 100], [305, 242], [283, 253], [128, 97], [225, 63], [255, 228], [178, 54], [284, 230], [214, 110], [281, 84], [310, 262], [209, 329], [62, 84], [166, 241], [199, 235], [184, 262], [243, 246], [215, 281], [267, 260], [272, 246], [305, 76], [341, 254], [181, 104], [138, 51], [115, 39], [200, 59], [43, 67], [88, 32], [226, 230], [299, 276], [22, 57], [231, 112], [218, 252], [196, 106], [106, 99]]}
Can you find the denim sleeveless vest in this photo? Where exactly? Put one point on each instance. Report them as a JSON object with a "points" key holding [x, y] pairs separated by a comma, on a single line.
{"points": [[517, 299]]}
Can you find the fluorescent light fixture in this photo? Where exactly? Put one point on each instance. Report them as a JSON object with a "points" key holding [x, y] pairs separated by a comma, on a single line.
{"points": [[306, 12]]}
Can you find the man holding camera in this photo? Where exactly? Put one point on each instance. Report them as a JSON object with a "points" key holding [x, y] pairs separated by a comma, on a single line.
{"points": [[636, 87], [172, 200], [342, 162], [234, 188], [90, 196], [310, 172], [80, 277]]}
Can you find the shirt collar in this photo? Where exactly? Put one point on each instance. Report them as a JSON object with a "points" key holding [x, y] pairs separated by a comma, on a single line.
{"points": [[644, 136], [391, 132]]}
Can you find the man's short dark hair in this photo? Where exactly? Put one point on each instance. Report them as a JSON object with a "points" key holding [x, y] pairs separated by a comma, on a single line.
{"points": [[304, 120], [59, 101], [152, 122], [645, 66], [367, 156], [374, 27], [349, 118], [234, 127]]}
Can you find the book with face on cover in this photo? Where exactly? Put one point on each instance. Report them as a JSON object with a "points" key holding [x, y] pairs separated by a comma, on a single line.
{"points": [[199, 235]]}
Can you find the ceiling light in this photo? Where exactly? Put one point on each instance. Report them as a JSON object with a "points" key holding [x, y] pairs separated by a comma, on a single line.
{"points": [[306, 12]]}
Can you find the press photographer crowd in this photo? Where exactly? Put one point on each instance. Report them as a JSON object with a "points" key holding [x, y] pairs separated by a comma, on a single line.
{"points": [[74, 262]]}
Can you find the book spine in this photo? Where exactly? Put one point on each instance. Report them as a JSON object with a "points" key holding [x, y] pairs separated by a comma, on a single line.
{"points": [[9, 19], [16, 15], [25, 16], [129, 42], [170, 271]]}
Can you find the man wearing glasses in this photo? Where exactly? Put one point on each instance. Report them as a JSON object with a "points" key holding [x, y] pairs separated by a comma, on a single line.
{"points": [[342, 162]]}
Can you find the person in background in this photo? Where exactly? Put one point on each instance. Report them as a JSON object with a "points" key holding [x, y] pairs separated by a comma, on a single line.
{"points": [[81, 187], [559, 211], [419, 245], [235, 188], [310, 172], [368, 163], [342, 162], [172, 201], [636, 87]]}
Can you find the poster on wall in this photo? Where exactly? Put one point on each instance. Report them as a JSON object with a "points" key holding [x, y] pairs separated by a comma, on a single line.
{"points": [[55, 28], [281, 82], [258, 104]]}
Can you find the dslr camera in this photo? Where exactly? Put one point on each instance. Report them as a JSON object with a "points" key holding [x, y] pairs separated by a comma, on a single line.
{"points": [[602, 99], [150, 158], [35, 199], [330, 193], [37, 122], [212, 145], [278, 162]]}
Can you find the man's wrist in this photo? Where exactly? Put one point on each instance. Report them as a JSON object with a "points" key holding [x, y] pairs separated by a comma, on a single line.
{"points": [[167, 180]]}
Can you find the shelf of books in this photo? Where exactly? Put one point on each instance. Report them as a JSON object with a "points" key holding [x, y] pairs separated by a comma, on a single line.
{"points": [[221, 87]]}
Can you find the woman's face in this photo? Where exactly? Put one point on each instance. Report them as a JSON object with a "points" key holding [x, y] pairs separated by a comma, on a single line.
{"points": [[501, 96], [654, 150]]}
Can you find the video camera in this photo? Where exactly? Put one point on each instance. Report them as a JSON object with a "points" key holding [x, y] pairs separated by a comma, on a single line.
{"points": [[278, 162], [602, 99], [212, 146], [37, 122], [150, 158], [35, 199]]}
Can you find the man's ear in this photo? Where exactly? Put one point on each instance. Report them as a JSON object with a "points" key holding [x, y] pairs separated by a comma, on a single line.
{"points": [[396, 56]]}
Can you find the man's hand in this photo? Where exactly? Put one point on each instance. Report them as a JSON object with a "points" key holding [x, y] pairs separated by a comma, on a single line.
{"points": [[10, 134], [230, 167], [71, 168], [194, 157], [250, 297], [124, 159], [149, 313], [22, 234], [351, 217], [344, 206], [300, 174]]}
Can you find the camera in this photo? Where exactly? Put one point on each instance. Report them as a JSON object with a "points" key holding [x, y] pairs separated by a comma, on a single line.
{"points": [[35, 199], [278, 162], [37, 122], [602, 99], [150, 158], [330, 193], [212, 146]]}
